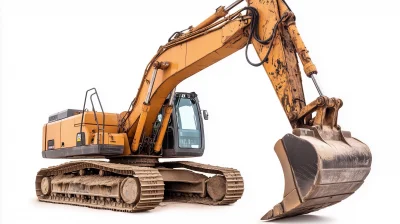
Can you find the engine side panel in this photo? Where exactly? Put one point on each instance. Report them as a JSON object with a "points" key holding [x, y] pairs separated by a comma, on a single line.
{"points": [[64, 139]]}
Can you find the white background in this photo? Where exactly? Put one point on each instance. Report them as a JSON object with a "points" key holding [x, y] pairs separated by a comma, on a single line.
{"points": [[53, 51]]}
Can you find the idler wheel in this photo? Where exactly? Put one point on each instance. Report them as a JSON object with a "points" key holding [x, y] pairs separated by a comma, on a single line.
{"points": [[216, 187], [45, 186], [130, 190]]}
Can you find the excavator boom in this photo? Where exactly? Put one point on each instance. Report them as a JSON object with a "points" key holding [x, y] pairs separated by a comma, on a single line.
{"points": [[269, 26]]}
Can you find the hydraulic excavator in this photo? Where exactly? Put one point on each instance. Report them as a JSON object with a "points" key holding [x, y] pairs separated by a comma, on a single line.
{"points": [[322, 164]]}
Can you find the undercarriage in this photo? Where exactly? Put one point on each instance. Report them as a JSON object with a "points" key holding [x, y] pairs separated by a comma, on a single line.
{"points": [[133, 188]]}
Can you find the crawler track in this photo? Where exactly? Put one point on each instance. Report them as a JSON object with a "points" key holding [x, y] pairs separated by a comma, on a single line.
{"points": [[151, 186], [150, 181], [234, 184]]}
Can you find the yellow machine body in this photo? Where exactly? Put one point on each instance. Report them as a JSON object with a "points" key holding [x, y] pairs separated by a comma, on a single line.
{"points": [[63, 134]]}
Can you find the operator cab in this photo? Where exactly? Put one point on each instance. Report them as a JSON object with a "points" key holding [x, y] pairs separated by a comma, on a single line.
{"points": [[184, 136]]}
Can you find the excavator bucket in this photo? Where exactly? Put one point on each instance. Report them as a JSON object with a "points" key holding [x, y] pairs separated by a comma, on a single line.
{"points": [[321, 168]]}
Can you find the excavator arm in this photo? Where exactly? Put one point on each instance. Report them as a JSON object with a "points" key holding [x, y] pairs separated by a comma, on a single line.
{"points": [[322, 164], [269, 26]]}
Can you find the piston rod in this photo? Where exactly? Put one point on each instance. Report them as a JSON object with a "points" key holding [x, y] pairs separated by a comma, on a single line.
{"points": [[233, 5], [316, 85]]}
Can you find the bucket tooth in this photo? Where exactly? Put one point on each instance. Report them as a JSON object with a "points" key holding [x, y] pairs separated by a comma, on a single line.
{"points": [[319, 171]]}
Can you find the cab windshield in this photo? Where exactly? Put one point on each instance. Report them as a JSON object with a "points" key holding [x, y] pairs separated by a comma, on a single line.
{"points": [[188, 122]]}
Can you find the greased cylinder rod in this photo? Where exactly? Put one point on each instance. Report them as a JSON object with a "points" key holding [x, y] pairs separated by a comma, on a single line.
{"points": [[219, 13], [153, 77], [164, 122], [233, 5], [316, 85]]}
